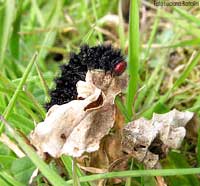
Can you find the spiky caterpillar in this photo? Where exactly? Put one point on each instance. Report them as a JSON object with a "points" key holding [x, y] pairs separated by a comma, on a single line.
{"points": [[98, 57]]}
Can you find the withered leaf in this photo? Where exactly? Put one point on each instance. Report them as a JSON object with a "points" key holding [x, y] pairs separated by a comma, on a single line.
{"points": [[79, 126], [141, 138]]}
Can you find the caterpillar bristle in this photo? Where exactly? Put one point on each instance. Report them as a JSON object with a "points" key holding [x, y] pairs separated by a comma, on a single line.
{"points": [[103, 57]]}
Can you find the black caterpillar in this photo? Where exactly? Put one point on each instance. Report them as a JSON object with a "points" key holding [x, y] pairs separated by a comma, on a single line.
{"points": [[98, 57]]}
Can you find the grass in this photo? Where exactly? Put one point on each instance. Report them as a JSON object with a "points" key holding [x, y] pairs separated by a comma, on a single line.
{"points": [[158, 82], [12, 101], [50, 174], [139, 173], [133, 56]]}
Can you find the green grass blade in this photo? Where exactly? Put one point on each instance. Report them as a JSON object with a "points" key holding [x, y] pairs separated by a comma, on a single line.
{"points": [[179, 160], [87, 35], [100, 37], [67, 161], [38, 13], [10, 179], [133, 55], [177, 83], [150, 81], [185, 14], [186, 43], [51, 35], [198, 144], [43, 83], [122, 108], [121, 27], [186, 71], [15, 37], [128, 180], [3, 182], [75, 177], [139, 173], [50, 174], [8, 13], [24, 96], [152, 35], [19, 88], [37, 105], [150, 97]]}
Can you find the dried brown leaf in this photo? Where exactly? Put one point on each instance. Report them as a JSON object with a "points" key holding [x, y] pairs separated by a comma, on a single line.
{"points": [[7, 141], [149, 140], [93, 170], [160, 181], [79, 126]]}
